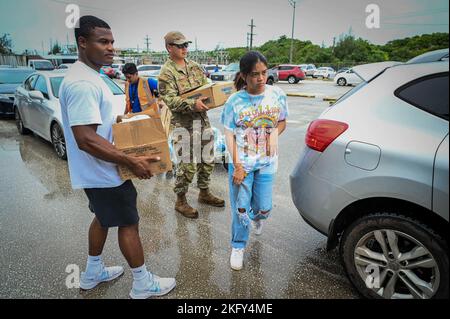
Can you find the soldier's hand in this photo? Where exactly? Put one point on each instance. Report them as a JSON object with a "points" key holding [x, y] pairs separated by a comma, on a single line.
{"points": [[200, 106], [140, 166]]}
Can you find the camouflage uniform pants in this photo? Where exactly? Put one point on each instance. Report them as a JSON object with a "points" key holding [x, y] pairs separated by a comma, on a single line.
{"points": [[200, 160]]}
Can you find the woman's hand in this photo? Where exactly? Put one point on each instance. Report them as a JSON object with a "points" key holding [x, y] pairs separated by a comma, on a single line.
{"points": [[238, 175], [273, 143]]}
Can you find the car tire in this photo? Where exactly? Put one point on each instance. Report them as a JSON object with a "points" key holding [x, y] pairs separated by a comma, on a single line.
{"points": [[341, 82], [19, 123], [58, 141], [362, 239], [270, 81], [291, 79]]}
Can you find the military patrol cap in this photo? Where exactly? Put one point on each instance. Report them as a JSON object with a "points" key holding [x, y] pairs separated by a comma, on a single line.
{"points": [[176, 37]]}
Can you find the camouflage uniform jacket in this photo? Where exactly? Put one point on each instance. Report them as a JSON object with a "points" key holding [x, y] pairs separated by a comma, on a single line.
{"points": [[174, 81]]}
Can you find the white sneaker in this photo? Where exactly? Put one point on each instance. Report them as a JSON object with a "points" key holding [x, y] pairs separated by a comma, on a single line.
{"points": [[257, 226], [107, 274], [156, 287], [237, 258]]}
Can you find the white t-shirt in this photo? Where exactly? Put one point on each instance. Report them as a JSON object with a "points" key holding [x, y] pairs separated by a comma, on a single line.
{"points": [[85, 100]]}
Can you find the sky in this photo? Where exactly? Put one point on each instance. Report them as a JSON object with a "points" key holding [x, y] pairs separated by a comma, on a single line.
{"points": [[33, 24]]}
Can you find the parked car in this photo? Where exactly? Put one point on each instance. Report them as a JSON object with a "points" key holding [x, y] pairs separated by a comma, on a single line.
{"points": [[348, 77], [291, 73], [436, 55], [308, 69], [41, 65], [37, 108], [211, 68], [149, 70], [324, 73], [272, 76], [118, 70], [64, 66], [226, 74], [374, 178], [108, 71], [10, 79], [342, 70]]}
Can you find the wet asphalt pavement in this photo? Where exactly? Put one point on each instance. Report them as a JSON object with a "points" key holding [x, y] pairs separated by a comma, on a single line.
{"points": [[44, 225]]}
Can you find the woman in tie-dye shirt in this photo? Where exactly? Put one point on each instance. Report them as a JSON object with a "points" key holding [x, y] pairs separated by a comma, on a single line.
{"points": [[253, 118]]}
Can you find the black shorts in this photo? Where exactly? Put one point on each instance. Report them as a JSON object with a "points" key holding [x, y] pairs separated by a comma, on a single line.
{"points": [[114, 206]]}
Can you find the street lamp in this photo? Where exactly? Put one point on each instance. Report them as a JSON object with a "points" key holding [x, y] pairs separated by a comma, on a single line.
{"points": [[292, 3]]}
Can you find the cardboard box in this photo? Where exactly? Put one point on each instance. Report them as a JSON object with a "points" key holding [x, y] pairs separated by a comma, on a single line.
{"points": [[217, 93], [145, 137]]}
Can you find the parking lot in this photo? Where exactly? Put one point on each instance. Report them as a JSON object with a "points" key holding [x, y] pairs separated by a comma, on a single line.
{"points": [[44, 226]]}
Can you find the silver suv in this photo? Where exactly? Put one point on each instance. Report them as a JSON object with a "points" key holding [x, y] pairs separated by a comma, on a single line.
{"points": [[373, 178]]}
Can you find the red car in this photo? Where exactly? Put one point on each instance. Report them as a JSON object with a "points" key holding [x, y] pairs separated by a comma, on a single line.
{"points": [[109, 71], [291, 73]]}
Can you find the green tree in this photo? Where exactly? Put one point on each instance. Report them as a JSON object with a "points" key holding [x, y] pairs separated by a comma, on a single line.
{"points": [[5, 44], [56, 49]]}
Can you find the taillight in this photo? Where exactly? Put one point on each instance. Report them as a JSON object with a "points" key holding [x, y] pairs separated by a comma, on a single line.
{"points": [[322, 133]]}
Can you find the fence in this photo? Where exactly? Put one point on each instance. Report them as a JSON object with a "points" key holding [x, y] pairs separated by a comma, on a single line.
{"points": [[13, 60]]}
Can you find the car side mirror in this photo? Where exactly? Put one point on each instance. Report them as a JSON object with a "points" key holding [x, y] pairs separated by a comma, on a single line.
{"points": [[36, 95]]}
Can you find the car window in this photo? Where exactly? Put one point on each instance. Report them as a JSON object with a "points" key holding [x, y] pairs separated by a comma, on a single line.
{"points": [[55, 83], [43, 65], [30, 82], [233, 67], [115, 89], [286, 68], [14, 76], [41, 85], [427, 94]]}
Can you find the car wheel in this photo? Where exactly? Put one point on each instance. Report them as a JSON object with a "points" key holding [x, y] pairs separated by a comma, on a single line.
{"points": [[391, 256], [270, 81], [342, 82], [58, 141], [291, 79], [19, 123]]}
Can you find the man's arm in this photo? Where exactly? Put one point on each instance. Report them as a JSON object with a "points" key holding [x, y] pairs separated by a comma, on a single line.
{"points": [[169, 94], [177, 104], [90, 142]]}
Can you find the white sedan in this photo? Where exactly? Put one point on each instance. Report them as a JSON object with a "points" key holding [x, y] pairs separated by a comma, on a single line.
{"points": [[37, 108], [149, 70], [325, 73], [347, 78]]}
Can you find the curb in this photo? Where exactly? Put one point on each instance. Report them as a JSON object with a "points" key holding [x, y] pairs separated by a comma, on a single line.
{"points": [[308, 95]]}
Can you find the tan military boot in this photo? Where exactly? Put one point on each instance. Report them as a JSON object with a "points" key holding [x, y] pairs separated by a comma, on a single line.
{"points": [[205, 197], [184, 208]]}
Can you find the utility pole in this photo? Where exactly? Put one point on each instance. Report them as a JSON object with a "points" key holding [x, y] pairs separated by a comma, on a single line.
{"points": [[293, 4], [251, 35], [196, 51], [147, 43]]}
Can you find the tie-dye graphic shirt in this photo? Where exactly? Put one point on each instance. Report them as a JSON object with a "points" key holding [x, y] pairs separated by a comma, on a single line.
{"points": [[251, 118]]}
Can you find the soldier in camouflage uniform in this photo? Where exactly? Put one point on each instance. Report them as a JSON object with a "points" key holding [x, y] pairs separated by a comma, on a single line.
{"points": [[178, 76]]}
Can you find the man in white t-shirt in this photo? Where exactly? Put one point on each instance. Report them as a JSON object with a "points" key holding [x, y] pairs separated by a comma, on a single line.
{"points": [[88, 116]]}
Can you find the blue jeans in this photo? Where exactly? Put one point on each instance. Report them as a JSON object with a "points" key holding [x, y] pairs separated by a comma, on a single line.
{"points": [[252, 200]]}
